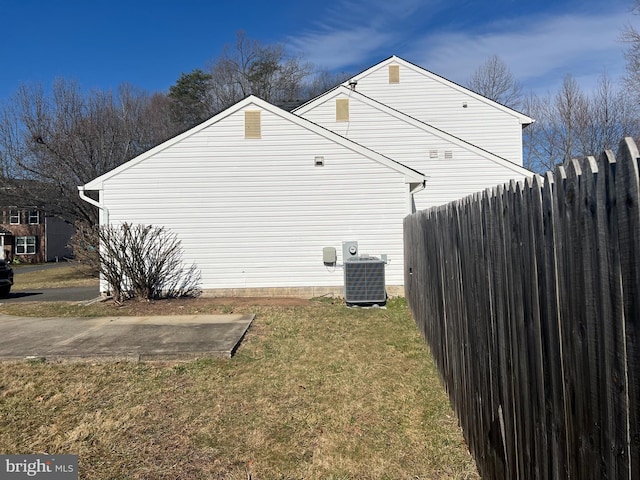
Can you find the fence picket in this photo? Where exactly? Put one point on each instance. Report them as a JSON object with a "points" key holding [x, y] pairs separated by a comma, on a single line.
{"points": [[551, 339], [615, 429], [627, 195]]}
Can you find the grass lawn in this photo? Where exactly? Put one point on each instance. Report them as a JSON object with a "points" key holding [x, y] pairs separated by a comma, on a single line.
{"points": [[315, 391], [61, 275]]}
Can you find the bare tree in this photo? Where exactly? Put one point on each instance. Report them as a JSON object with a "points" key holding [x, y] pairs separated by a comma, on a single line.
{"points": [[562, 129], [157, 124], [494, 80], [631, 36], [572, 124], [573, 111], [323, 81], [541, 140], [611, 117], [61, 140], [251, 68]]}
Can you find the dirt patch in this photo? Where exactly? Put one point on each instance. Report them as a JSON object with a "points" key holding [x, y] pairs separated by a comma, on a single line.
{"points": [[200, 305]]}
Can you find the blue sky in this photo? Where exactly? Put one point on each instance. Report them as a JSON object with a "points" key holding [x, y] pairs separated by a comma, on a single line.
{"points": [[150, 43]]}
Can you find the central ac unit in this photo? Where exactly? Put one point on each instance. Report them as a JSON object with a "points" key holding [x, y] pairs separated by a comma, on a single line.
{"points": [[364, 282]]}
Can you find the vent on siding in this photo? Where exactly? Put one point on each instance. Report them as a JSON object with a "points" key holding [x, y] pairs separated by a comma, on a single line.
{"points": [[433, 153], [252, 124], [342, 110], [448, 154], [394, 73]]}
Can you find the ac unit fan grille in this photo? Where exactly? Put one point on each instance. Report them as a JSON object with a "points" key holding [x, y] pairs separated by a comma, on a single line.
{"points": [[364, 282]]}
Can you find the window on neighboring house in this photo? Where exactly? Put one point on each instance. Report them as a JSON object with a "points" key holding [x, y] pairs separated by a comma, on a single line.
{"points": [[25, 245], [34, 217], [14, 217]]}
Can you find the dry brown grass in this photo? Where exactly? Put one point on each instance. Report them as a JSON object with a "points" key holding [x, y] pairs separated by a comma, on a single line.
{"points": [[316, 391], [63, 275]]}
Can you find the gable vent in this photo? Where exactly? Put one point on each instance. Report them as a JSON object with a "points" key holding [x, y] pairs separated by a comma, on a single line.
{"points": [[433, 153], [342, 110], [394, 73], [448, 154], [252, 127]]}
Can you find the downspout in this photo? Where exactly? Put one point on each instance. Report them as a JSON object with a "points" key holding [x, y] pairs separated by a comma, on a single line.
{"points": [[102, 208], [413, 189], [104, 220]]}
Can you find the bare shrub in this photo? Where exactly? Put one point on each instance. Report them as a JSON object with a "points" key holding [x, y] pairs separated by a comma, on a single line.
{"points": [[137, 261]]}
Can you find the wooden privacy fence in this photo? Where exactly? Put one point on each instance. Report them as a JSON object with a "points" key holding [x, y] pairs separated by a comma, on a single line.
{"points": [[529, 297]]}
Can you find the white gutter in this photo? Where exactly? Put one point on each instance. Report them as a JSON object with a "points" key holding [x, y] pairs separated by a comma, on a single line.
{"points": [[413, 189], [104, 220], [105, 211], [418, 187]]}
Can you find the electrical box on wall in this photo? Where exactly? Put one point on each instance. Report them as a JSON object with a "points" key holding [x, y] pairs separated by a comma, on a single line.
{"points": [[329, 256], [349, 251]]}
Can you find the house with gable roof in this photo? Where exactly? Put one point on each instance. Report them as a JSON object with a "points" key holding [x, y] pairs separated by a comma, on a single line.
{"points": [[256, 194]]}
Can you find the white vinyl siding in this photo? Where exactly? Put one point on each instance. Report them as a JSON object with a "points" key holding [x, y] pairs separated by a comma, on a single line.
{"points": [[434, 101], [260, 213], [452, 170]]}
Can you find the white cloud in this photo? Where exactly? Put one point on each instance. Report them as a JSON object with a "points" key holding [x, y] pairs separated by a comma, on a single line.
{"points": [[340, 48], [351, 33], [539, 51], [538, 48]]}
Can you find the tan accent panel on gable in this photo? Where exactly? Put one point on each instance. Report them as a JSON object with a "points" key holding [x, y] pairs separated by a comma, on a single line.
{"points": [[342, 110], [394, 73], [252, 127]]}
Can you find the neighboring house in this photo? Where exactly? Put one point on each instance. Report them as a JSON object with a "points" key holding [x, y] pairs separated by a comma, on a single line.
{"points": [[255, 194], [445, 105], [456, 168], [29, 235]]}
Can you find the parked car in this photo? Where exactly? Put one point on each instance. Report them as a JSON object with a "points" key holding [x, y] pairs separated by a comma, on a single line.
{"points": [[6, 278]]}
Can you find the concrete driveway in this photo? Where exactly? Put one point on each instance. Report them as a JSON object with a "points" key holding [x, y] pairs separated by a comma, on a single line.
{"points": [[170, 337], [174, 337]]}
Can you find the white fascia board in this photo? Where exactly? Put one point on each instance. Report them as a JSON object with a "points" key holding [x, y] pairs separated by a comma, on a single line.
{"points": [[522, 118], [342, 90], [411, 175]]}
